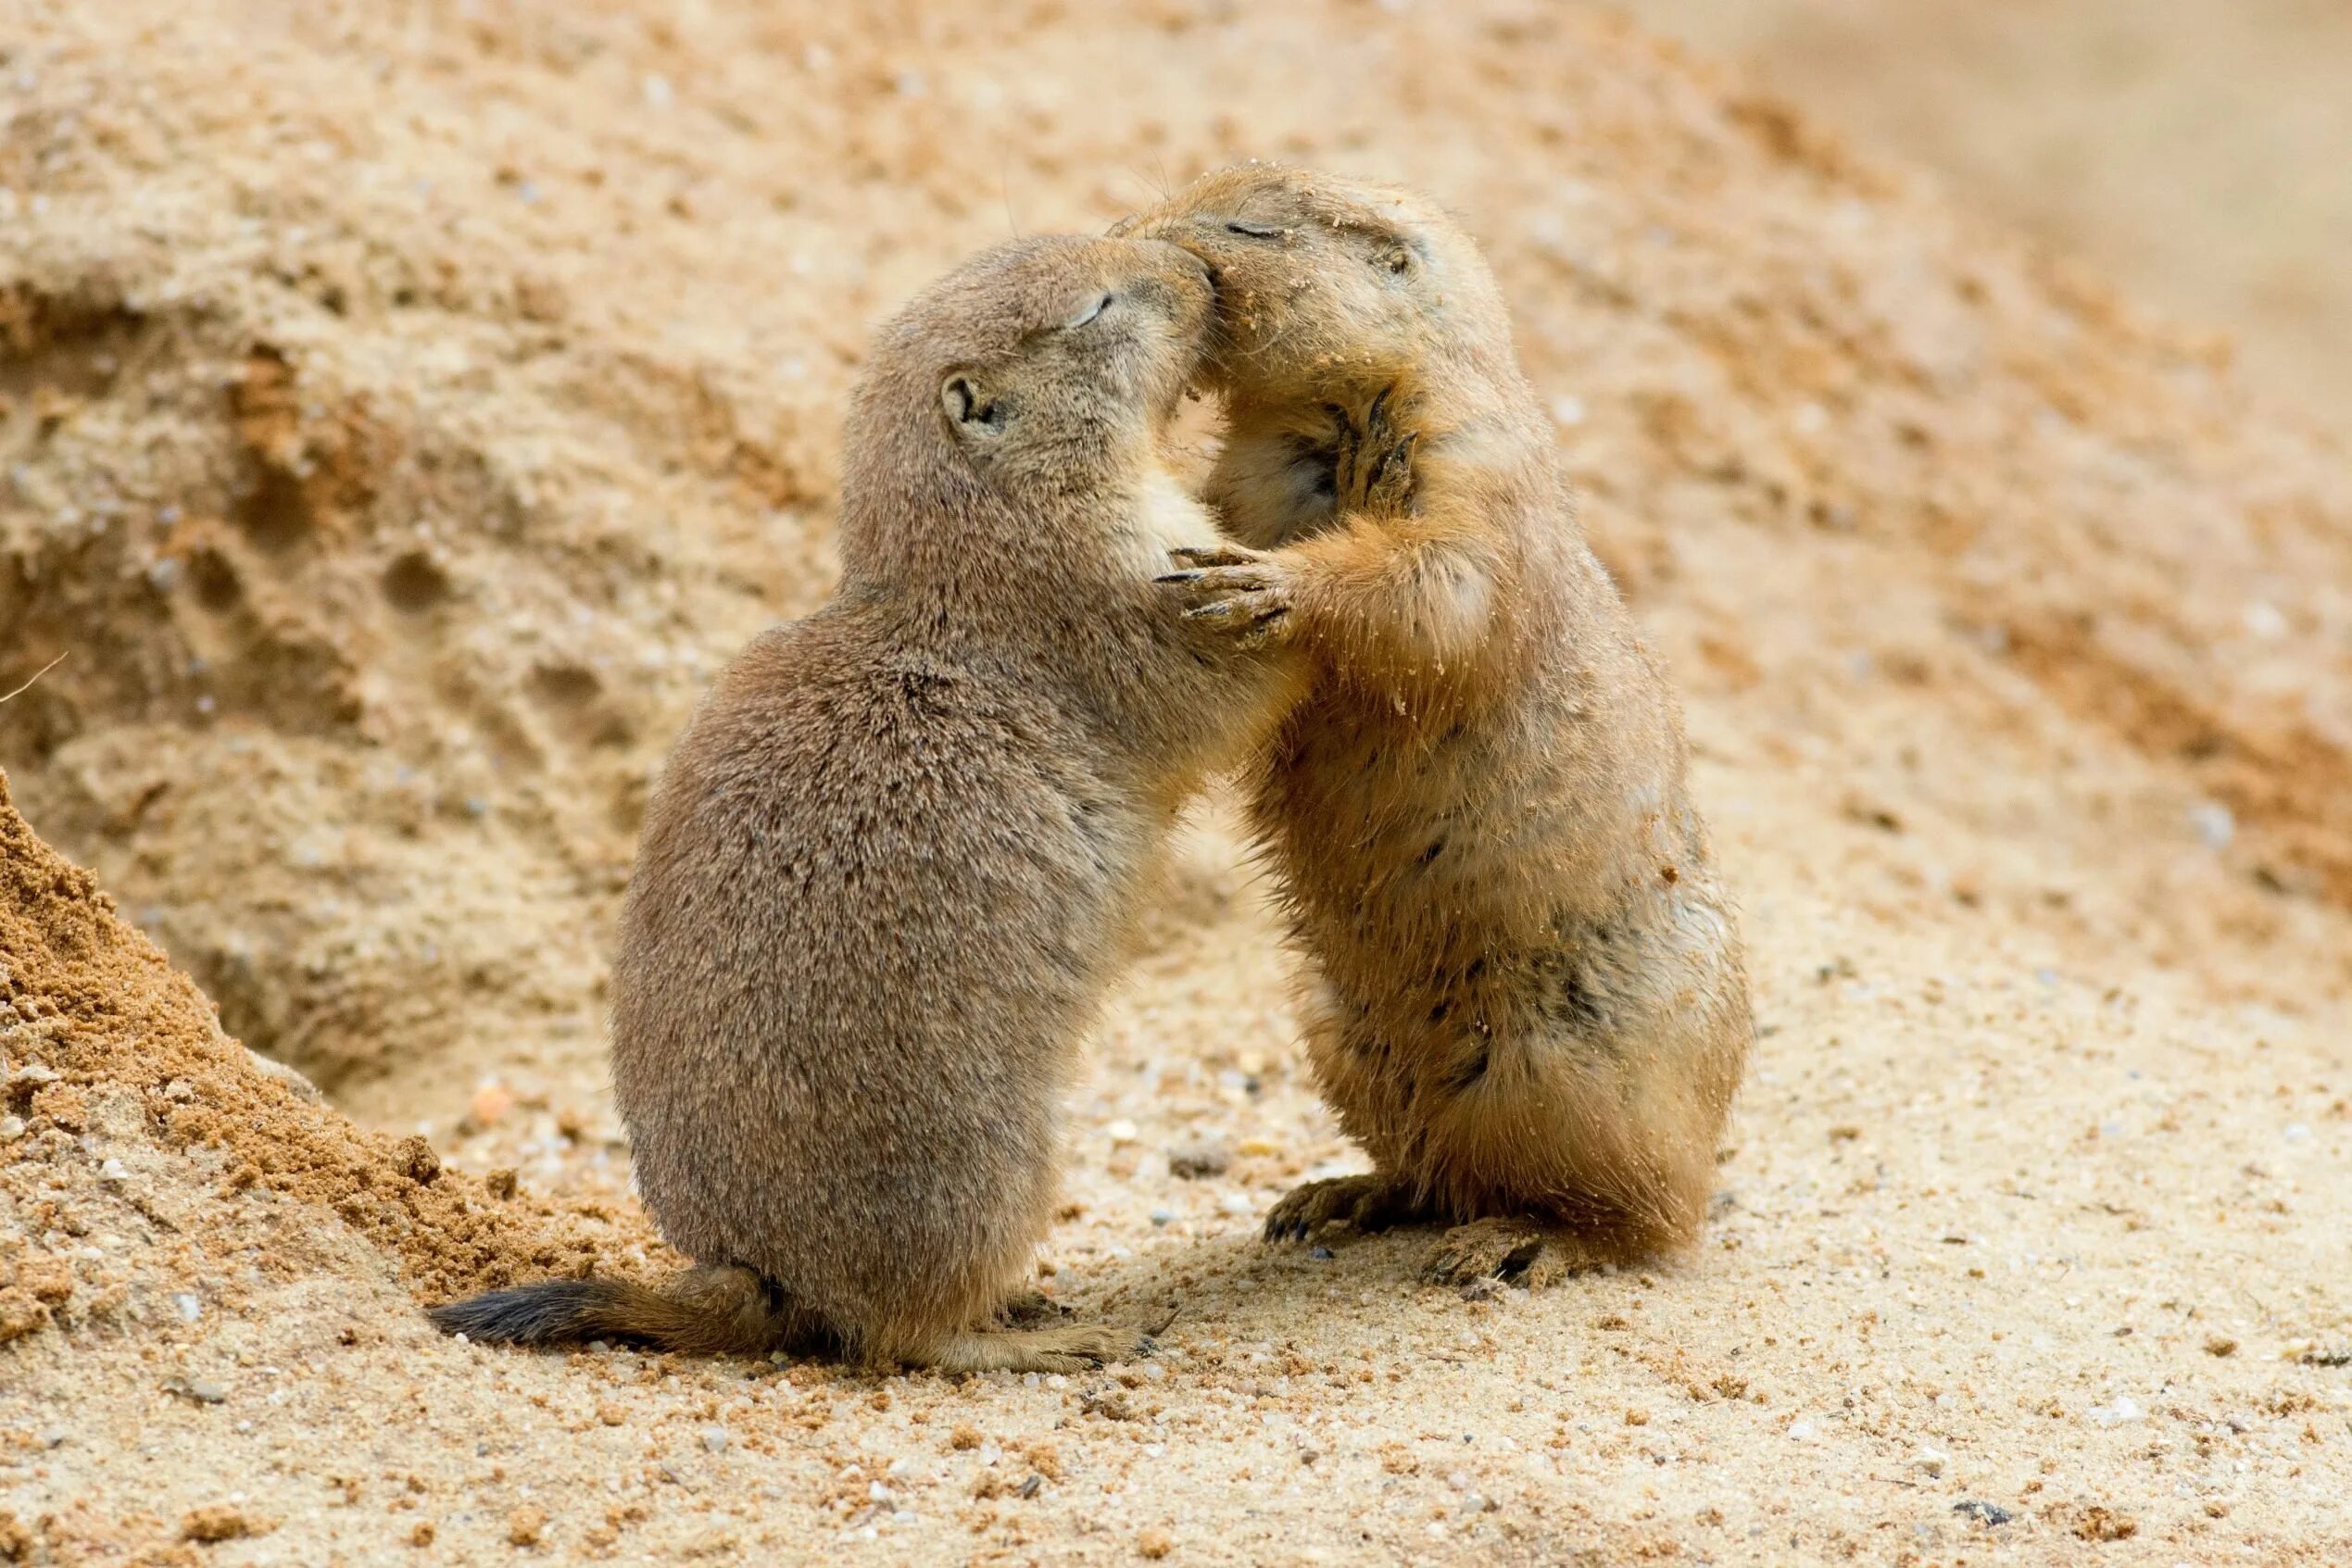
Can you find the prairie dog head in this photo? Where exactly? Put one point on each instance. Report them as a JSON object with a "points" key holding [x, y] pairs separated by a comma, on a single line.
{"points": [[1025, 391], [1327, 284]]}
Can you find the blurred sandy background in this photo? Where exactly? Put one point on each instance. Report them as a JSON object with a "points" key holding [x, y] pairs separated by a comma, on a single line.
{"points": [[2199, 152]]}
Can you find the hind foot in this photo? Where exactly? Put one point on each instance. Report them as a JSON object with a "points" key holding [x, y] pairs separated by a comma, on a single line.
{"points": [[1368, 1203], [1515, 1252], [1073, 1348], [1032, 1309]]}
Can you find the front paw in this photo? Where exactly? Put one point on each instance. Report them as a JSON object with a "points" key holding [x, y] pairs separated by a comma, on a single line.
{"points": [[1241, 596], [1372, 460]]}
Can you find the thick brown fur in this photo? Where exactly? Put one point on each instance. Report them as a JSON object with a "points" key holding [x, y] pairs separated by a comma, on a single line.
{"points": [[892, 864], [1526, 995]]}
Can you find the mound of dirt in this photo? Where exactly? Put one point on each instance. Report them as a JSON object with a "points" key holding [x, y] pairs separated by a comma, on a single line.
{"points": [[130, 1114], [402, 413]]}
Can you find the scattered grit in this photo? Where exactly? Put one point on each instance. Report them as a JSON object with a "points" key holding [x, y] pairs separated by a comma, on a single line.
{"points": [[401, 414]]}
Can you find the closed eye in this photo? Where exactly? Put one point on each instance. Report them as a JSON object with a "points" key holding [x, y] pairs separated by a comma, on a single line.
{"points": [[1088, 314], [1254, 230]]}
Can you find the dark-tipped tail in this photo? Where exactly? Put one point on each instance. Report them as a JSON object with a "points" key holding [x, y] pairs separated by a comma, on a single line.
{"points": [[555, 1311], [704, 1312]]}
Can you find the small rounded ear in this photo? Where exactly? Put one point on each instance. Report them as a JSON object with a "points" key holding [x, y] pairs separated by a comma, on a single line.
{"points": [[971, 412]]}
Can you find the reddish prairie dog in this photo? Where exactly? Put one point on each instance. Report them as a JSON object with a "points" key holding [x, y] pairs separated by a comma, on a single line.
{"points": [[1525, 989], [889, 869]]}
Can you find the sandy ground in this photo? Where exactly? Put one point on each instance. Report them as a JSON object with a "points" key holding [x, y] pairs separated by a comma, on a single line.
{"points": [[406, 410]]}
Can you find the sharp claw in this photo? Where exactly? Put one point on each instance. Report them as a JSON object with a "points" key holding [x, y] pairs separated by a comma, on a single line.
{"points": [[1193, 576], [1379, 402], [1201, 612]]}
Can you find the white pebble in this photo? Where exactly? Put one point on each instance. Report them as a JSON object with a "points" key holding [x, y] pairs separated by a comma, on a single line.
{"points": [[2264, 620], [1800, 1431], [2214, 824]]}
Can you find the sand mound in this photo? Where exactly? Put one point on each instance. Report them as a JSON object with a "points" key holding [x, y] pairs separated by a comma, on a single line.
{"points": [[131, 1113], [404, 413]]}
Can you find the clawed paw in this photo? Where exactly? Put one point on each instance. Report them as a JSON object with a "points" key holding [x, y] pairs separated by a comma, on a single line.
{"points": [[1239, 595], [1366, 1203], [1372, 463], [1514, 1252]]}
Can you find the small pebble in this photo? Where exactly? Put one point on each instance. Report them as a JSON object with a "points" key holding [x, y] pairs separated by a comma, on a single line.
{"points": [[715, 1439], [1192, 1161], [1122, 1131], [220, 1522], [2214, 824], [11, 1128], [490, 1103], [1983, 1512], [1322, 1254], [526, 1526], [1159, 1216]]}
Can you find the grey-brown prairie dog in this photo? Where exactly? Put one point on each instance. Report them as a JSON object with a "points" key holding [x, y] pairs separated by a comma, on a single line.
{"points": [[1525, 993], [891, 865]]}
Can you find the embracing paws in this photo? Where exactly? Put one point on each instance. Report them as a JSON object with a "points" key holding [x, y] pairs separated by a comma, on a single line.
{"points": [[1372, 459], [1242, 595]]}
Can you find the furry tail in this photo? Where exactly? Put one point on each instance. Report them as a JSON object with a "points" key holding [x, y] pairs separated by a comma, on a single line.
{"points": [[705, 1311]]}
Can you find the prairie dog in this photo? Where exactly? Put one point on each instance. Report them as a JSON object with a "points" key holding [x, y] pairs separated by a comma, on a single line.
{"points": [[1526, 995], [892, 864]]}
